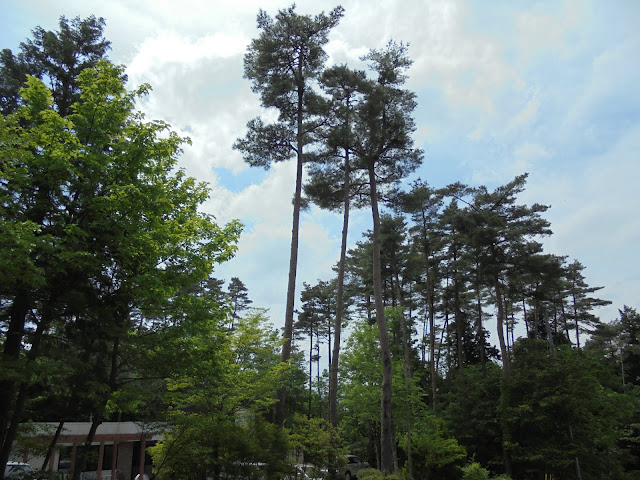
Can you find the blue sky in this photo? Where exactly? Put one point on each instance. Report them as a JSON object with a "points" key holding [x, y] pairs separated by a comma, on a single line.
{"points": [[503, 87]]}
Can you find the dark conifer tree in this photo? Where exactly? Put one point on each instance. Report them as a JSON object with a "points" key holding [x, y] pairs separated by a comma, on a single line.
{"points": [[57, 58]]}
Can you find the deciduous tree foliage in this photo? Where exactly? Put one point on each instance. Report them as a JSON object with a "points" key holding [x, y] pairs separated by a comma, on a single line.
{"points": [[217, 397]]}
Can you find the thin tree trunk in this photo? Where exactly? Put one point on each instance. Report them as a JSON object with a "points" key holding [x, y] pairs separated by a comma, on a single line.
{"points": [[504, 387], [575, 317], [408, 373], [310, 369], [458, 318], [280, 407], [500, 327], [81, 465], [52, 445], [483, 359], [333, 374], [386, 424]]}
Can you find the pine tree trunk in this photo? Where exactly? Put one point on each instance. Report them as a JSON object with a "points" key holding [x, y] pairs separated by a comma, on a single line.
{"points": [[504, 385], [280, 407], [333, 374], [408, 373], [387, 429]]}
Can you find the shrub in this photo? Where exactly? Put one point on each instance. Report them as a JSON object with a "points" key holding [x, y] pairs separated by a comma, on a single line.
{"points": [[474, 471]]}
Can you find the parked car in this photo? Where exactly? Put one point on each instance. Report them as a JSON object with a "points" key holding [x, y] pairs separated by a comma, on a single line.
{"points": [[353, 466], [18, 470]]}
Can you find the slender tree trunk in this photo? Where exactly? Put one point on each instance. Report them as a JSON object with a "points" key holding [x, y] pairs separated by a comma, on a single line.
{"points": [[386, 424], [280, 407], [500, 327], [549, 334], [310, 369], [483, 357], [430, 284], [408, 372], [444, 329], [504, 385], [52, 446], [82, 457], [458, 318], [333, 374]]}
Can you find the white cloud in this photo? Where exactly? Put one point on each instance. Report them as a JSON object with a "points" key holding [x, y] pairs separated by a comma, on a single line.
{"points": [[527, 115], [539, 30]]}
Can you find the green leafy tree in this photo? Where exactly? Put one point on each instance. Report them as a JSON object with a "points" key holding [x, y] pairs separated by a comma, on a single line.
{"points": [[318, 442], [437, 453], [99, 221], [217, 400], [469, 405], [283, 63]]}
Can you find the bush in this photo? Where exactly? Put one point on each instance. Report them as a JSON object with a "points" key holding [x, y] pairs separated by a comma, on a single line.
{"points": [[374, 474], [370, 474], [474, 471]]}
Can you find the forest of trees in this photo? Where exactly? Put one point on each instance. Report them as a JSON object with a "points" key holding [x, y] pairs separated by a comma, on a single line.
{"points": [[471, 353]]}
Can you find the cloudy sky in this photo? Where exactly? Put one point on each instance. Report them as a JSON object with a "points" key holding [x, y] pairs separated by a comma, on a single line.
{"points": [[504, 87]]}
